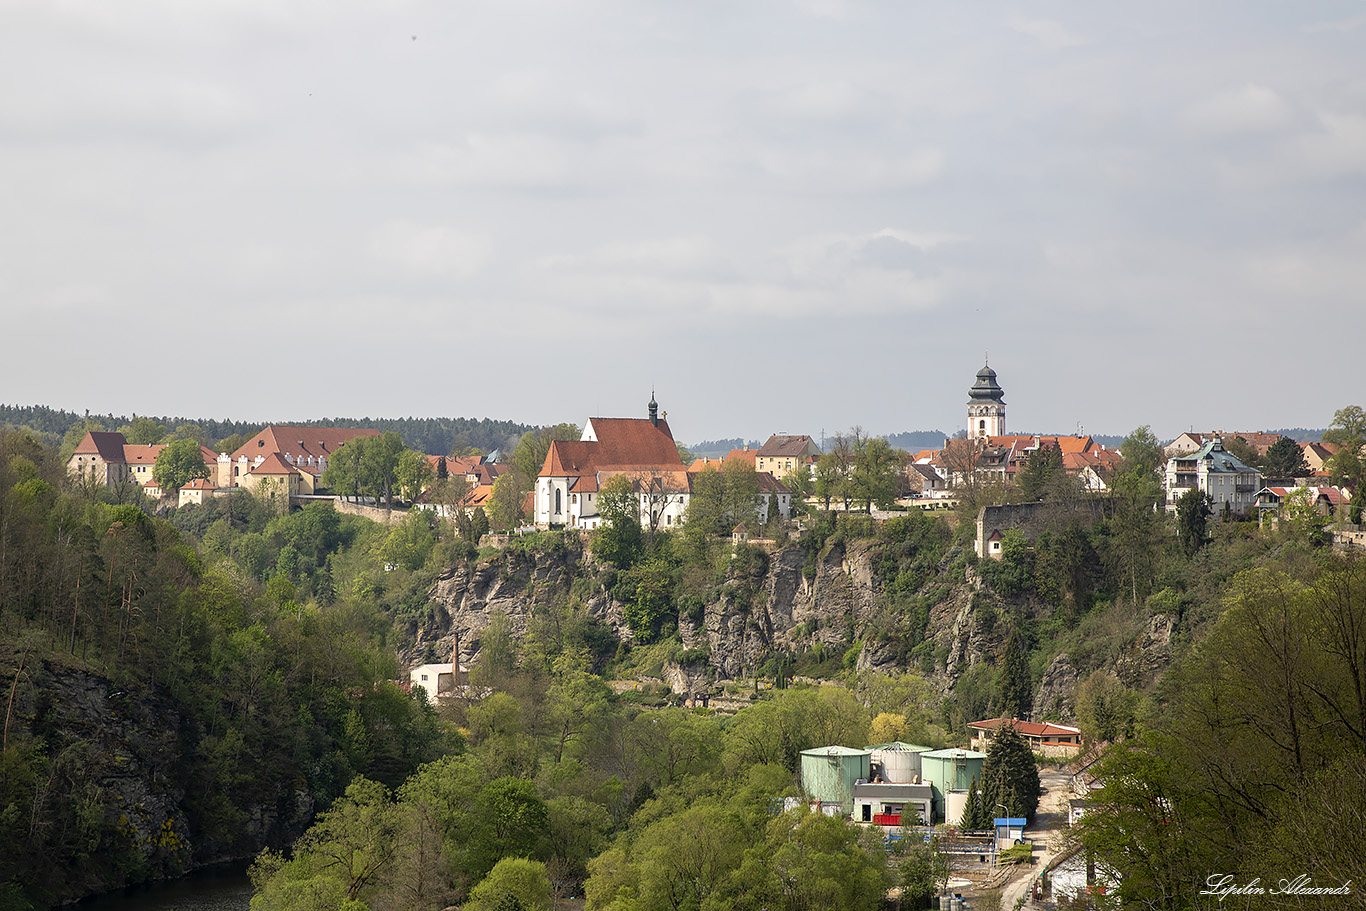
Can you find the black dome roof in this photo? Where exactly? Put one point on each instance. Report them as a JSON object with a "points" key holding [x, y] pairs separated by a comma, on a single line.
{"points": [[985, 389]]}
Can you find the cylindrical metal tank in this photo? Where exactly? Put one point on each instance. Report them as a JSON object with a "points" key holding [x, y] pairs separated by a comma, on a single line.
{"points": [[900, 766], [955, 802]]}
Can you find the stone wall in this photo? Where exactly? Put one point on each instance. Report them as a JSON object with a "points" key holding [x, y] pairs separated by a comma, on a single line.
{"points": [[377, 513], [1032, 519]]}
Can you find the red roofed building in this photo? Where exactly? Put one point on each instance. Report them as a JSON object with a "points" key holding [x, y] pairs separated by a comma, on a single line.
{"points": [[567, 487], [782, 455], [643, 449], [1043, 737], [305, 450], [106, 457]]}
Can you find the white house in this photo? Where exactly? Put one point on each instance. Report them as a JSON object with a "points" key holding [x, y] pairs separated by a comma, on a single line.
{"points": [[1217, 472]]}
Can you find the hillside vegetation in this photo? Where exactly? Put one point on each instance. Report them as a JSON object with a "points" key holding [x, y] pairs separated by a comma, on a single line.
{"points": [[200, 687]]}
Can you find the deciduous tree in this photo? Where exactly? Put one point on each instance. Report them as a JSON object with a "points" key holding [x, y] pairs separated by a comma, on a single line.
{"points": [[178, 464]]}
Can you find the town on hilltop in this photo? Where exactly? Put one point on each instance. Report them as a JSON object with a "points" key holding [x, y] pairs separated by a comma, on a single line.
{"points": [[1239, 473], [963, 672]]}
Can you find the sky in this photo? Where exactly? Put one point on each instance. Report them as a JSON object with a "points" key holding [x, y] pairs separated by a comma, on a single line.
{"points": [[781, 217]]}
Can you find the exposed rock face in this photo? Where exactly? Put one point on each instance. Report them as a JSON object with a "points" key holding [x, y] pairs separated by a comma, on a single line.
{"points": [[1145, 660], [797, 599], [124, 754], [514, 583], [1057, 695]]}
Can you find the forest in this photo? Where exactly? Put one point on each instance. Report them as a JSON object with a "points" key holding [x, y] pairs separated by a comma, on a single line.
{"points": [[222, 682]]}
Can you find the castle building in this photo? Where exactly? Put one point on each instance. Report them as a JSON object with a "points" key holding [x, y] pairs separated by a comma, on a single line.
{"points": [[986, 407]]}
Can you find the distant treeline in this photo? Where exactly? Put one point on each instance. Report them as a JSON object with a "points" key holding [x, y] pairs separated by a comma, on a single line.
{"points": [[714, 448], [436, 436], [916, 440]]}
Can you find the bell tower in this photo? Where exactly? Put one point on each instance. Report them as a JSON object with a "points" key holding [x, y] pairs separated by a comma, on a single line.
{"points": [[986, 406]]}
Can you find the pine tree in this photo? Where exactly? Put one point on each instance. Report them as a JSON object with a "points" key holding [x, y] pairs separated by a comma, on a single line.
{"points": [[974, 813], [1010, 776], [1017, 696]]}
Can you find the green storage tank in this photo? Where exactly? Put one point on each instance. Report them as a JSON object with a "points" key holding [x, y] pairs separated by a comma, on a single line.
{"points": [[829, 774], [950, 770]]}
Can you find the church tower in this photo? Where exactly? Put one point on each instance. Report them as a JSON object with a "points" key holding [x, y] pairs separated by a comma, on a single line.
{"points": [[986, 407]]}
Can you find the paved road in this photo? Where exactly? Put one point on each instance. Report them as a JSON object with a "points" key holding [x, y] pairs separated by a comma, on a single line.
{"points": [[1049, 823]]}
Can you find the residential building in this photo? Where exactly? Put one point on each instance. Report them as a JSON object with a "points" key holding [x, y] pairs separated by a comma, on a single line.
{"points": [[1191, 441], [304, 450], [782, 455], [1043, 737], [1219, 473], [1316, 455], [107, 458]]}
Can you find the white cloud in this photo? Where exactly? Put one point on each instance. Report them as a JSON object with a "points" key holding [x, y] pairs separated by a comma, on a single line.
{"points": [[1250, 109], [1052, 35], [430, 250]]}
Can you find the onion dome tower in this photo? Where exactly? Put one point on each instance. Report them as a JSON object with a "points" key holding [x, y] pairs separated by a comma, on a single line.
{"points": [[986, 407]]}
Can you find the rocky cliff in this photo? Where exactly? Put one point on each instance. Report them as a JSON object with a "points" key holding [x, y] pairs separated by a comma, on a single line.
{"points": [[796, 600]]}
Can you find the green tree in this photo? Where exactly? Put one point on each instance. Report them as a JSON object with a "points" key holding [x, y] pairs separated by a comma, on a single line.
{"points": [[1010, 776], [1039, 472], [511, 823], [504, 505], [878, 473], [1285, 459], [143, 431], [1105, 708], [1347, 467], [1303, 523], [1142, 452], [618, 539], [178, 464], [514, 884], [1192, 511], [1017, 687], [413, 472], [340, 861], [810, 861]]}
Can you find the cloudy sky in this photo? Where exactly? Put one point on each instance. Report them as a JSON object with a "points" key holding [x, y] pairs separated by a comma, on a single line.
{"points": [[783, 216]]}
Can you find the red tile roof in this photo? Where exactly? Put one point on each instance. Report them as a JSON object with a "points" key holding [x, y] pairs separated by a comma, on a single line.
{"points": [[787, 446], [108, 445], [274, 464], [1027, 728], [619, 444], [319, 442]]}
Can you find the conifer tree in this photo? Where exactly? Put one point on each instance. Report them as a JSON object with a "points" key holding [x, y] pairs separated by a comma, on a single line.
{"points": [[1010, 776]]}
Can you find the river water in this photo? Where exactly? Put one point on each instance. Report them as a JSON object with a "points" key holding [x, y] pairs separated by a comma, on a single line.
{"points": [[224, 889]]}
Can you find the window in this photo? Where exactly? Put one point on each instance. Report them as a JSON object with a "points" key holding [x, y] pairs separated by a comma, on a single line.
{"points": [[557, 502]]}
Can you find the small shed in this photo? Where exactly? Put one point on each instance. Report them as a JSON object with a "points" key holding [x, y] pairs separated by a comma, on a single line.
{"points": [[1009, 830], [893, 804], [830, 773]]}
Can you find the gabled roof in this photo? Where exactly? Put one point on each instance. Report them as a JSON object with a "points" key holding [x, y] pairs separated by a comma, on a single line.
{"points": [[319, 442], [788, 447], [274, 464], [632, 441], [1027, 728], [743, 455], [200, 484], [106, 444], [614, 444]]}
